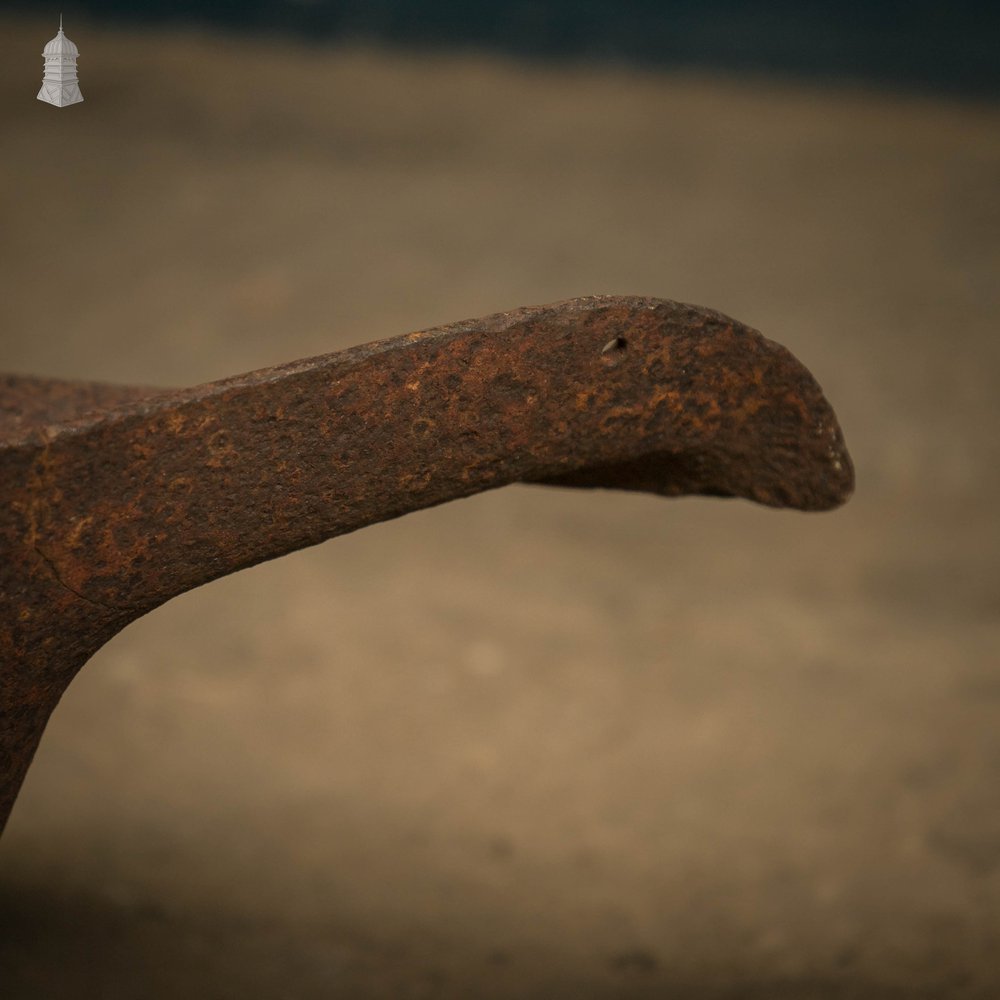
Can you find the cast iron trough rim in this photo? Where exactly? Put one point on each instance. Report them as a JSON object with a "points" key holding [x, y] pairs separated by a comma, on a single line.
{"points": [[113, 499]]}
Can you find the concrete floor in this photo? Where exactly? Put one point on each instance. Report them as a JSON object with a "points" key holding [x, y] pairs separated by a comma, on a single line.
{"points": [[539, 743]]}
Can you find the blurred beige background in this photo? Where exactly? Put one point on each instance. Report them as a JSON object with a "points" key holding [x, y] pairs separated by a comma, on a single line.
{"points": [[538, 743]]}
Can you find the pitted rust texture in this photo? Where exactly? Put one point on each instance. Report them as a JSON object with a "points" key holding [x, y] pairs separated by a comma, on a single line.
{"points": [[115, 499]]}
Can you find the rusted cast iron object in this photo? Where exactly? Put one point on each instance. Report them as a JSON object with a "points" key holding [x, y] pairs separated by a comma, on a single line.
{"points": [[115, 499]]}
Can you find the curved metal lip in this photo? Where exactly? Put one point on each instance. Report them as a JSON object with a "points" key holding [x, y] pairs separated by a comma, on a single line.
{"points": [[113, 499]]}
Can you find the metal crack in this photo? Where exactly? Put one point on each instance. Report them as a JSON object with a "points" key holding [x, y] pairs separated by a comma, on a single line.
{"points": [[54, 570]]}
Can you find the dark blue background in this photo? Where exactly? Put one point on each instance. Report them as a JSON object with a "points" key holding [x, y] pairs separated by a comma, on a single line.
{"points": [[919, 44]]}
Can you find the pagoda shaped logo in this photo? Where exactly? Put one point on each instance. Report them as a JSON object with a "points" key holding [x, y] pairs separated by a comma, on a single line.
{"points": [[59, 85]]}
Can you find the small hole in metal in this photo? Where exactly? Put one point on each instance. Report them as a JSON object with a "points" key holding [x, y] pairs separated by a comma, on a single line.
{"points": [[617, 344]]}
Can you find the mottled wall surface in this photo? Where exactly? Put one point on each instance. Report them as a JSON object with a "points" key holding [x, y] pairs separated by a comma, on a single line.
{"points": [[539, 742]]}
